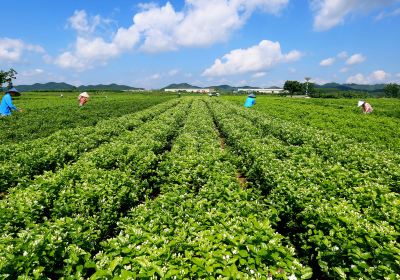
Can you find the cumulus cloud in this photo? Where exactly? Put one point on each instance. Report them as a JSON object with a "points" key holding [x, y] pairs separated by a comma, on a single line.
{"points": [[162, 28], [327, 62], [12, 50], [84, 24], [329, 13], [342, 55], [378, 76], [86, 52], [254, 59], [259, 75], [80, 23], [355, 59]]}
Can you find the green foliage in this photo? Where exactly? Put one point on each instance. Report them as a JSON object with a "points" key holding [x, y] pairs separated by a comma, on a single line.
{"points": [[156, 195], [294, 87], [325, 192], [339, 116], [333, 93], [392, 90], [45, 114], [7, 77]]}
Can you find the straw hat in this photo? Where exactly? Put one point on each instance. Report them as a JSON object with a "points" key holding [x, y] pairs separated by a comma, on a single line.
{"points": [[252, 95], [84, 94], [360, 103]]}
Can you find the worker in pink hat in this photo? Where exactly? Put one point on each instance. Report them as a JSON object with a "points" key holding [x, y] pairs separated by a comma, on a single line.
{"points": [[365, 107], [83, 98]]}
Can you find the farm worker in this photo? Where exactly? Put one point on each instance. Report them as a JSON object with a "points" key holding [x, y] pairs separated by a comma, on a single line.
{"points": [[250, 101], [365, 107], [83, 98], [6, 105]]}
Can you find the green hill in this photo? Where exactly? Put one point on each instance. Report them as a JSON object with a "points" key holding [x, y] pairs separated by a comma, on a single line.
{"points": [[181, 85], [52, 86]]}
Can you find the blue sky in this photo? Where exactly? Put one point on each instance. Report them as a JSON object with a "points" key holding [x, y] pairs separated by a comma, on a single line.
{"points": [[238, 42]]}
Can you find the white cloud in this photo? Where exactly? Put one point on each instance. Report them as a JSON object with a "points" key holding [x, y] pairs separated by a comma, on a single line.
{"points": [[87, 52], [254, 59], [384, 14], [342, 55], [157, 26], [327, 62], [173, 72], [80, 23], [259, 75], [199, 23], [155, 76], [84, 24], [30, 73], [378, 76], [69, 60], [12, 50], [162, 28], [357, 79], [355, 59], [344, 70], [329, 13]]}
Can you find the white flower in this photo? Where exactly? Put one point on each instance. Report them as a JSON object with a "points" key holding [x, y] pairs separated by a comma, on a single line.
{"points": [[127, 267], [292, 277]]}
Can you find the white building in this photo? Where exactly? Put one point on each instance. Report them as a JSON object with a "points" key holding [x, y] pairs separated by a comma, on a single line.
{"points": [[195, 90], [263, 90]]}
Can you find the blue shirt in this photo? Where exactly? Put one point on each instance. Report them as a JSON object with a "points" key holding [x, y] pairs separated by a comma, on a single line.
{"points": [[6, 105], [249, 102]]}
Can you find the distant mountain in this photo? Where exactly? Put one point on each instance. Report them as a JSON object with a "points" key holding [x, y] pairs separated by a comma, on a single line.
{"points": [[51, 86], [106, 87], [334, 86], [47, 86], [181, 85], [346, 87], [366, 87], [227, 88], [223, 88]]}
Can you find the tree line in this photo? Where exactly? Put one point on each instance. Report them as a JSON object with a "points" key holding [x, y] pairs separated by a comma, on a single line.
{"points": [[297, 88]]}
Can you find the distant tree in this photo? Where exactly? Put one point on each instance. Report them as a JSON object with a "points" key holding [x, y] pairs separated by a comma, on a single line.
{"points": [[7, 77], [392, 90], [294, 87]]}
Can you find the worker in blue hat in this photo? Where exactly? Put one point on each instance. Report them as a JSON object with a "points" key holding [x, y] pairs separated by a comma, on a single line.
{"points": [[6, 105], [250, 101]]}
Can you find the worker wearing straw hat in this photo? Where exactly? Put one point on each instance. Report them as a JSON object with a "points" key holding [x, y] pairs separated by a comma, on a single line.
{"points": [[83, 98], [365, 107], [250, 101], [6, 105]]}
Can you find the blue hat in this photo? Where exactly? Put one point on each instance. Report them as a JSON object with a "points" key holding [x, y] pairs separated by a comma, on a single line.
{"points": [[13, 89]]}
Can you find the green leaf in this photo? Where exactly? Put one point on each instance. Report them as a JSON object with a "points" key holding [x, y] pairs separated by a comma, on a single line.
{"points": [[339, 271]]}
